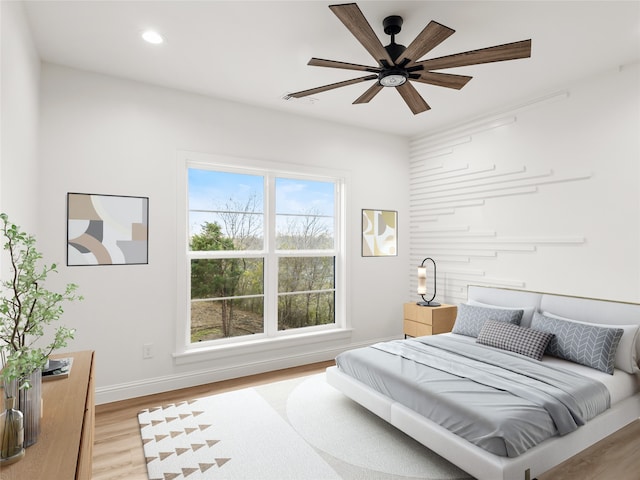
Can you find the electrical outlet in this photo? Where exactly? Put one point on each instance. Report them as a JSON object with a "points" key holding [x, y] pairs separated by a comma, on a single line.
{"points": [[147, 350]]}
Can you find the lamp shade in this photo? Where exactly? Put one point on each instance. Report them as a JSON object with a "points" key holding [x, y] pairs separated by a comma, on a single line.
{"points": [[422, 280]]}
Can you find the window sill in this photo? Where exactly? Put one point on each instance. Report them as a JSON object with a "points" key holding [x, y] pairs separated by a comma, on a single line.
{"points": [[196, 354]]}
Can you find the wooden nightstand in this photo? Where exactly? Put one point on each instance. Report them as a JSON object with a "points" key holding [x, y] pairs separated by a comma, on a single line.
{"points": [[420, 321]]}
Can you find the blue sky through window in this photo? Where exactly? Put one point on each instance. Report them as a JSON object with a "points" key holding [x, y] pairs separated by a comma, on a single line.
{"points": [[211, 191], [301, 196]]}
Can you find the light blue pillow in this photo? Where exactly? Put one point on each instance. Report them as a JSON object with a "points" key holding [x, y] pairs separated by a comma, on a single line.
{"points": [[589, 345], [470, 319]]}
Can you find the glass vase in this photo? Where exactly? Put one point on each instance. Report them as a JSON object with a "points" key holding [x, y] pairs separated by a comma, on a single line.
{"points": [[30, 404], [11, 427]]}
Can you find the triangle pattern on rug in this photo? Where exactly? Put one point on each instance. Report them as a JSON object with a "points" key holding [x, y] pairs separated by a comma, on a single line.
{"points": [[182, 449], [206, 466], [188, 471]]}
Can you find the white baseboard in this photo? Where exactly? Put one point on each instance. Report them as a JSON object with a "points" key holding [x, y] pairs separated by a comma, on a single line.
{"points": [[124, 391]]}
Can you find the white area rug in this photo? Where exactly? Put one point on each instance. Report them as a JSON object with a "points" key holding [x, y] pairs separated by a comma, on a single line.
{"points": [[301, 429]]}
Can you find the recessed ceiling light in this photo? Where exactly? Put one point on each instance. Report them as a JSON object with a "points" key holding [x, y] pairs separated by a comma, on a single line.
{"points": [[152, 37]]}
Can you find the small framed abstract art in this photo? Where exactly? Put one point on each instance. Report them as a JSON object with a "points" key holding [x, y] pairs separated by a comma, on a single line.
{"points": [[379, 233], [107, 229]]}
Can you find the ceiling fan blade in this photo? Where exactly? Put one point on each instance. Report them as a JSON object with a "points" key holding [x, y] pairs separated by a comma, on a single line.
{"points": [[319, 62], [371, 92], [432, 36], [412, 98], [499, 53], [352, 17], [331, 86], [443, 79]]}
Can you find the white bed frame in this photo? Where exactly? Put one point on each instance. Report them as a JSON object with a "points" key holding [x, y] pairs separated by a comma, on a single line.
{"points": [[471, 458]]}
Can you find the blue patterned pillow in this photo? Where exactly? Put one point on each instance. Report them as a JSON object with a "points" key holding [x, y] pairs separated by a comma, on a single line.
{"points": [[514, 338], [581, 343], [470, 319]]}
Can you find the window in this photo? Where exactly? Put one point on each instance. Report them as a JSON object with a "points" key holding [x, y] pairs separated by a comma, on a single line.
{"points": [[263, 256]]}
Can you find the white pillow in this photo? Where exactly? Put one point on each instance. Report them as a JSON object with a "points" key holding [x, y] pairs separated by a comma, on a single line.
{"points": [[527, 314], [626, 355]]}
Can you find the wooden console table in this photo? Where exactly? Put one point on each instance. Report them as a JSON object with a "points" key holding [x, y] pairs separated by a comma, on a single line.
{"points": [[65, 446]]}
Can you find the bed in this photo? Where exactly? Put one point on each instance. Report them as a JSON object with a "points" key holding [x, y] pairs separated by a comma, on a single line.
{"points": [[552, 409]]}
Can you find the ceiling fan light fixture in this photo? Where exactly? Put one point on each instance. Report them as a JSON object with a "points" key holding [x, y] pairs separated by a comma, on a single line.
{"points": [[393, 78]]}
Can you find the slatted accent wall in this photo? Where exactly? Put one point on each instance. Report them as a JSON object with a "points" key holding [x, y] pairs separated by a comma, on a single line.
{"points": [[444, 183]]}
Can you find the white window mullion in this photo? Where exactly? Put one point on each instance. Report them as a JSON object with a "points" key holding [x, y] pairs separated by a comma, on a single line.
{"points": [[271, 260], [340, 246]]}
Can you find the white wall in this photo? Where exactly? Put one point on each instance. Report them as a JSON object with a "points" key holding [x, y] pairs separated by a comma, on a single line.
{"points": [[20, 74], [548, 201], [110, 136]]}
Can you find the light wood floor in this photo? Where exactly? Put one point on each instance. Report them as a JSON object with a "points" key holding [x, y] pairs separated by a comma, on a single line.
{"points": [[117, 451], [615, 457]]}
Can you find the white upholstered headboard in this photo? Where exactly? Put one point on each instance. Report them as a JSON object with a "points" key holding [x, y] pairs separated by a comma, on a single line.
{"points": [[576, 308], [529, 301]]}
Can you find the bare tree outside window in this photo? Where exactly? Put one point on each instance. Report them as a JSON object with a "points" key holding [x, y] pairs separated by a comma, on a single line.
{"points": [[242, 222]]}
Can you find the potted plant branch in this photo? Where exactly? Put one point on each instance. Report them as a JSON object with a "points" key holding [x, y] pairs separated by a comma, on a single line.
{"points": [[26, 309]]}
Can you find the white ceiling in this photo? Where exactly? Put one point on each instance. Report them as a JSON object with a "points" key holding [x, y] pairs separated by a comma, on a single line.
{"points": [[255, 52]]}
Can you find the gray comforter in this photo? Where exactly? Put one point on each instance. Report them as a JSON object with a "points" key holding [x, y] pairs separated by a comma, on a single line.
{"points": [[503, 402]]}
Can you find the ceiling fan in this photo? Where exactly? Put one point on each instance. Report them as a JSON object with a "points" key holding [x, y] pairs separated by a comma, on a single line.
{"points": [[399, 65]]}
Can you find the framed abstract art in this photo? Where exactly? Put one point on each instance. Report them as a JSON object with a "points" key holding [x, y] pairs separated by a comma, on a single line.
{"points": [[379, 233], [107, 229]]}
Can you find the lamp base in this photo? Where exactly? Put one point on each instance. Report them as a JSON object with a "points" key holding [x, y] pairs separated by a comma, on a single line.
{"points": [[428, 304]]}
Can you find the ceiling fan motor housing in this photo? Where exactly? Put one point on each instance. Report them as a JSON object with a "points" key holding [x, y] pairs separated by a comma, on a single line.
{"points": [[395, 50]]}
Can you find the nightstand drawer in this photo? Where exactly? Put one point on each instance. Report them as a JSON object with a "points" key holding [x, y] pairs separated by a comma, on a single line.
{"points": [[420, 321], [415, 329], [417, 313]]}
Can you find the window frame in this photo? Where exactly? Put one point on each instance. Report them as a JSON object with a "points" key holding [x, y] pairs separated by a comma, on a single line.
{"points": [[185, 351]]}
